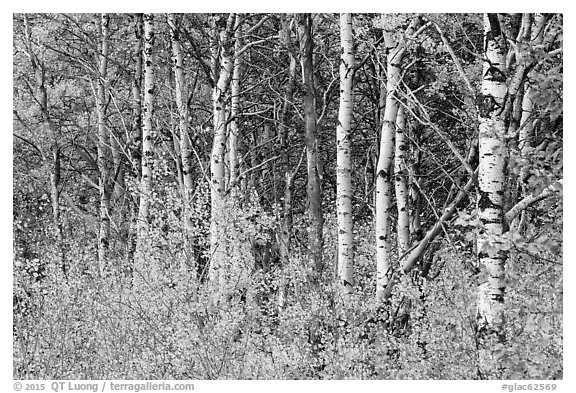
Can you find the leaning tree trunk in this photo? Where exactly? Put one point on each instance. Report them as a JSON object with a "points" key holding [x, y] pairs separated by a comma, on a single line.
{"points": [[491, 186], [103, 150], [315, 240], [343, 157]]}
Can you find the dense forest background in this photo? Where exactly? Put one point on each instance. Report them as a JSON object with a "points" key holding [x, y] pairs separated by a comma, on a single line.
{"points": [[287, 196]]}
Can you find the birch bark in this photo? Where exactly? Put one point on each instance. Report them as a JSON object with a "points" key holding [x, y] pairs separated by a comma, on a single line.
{"points": [[400, 183], [491, 190], [181, 102], [147, 128], [103, 150], [136, 137], [384, 170], [235, 105], [217, 168], [383, 198], [343, 157], [534, 27]]}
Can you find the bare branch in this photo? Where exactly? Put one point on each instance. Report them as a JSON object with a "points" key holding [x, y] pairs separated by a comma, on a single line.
{"points": [[31, 144], [532, 199], [247, 171], [412, 256], [427, 122], [253, 43], [257, 25], [455, 60]]}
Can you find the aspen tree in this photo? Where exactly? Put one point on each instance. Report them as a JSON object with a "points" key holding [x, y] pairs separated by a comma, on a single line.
{"points": [[524, 139], [343, 158], [414, 181], [222, 30], [136, 132], [147, 129], [181, 102], [533, 29], [400, 182], [136, 137], [315, 240], [103, 143], [384, 169], [235, 104], [491, 190], [502, 110]]}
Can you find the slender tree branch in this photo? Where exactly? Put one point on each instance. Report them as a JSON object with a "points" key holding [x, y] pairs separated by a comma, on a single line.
{"points": [[532, 199], [455, 60], [247, 171], [409, 260], [297, 168], [86, 216], [257, 25], [324, 98], [427, 122], [31, 144], [90, 182], [253, 43], [365, 59]]}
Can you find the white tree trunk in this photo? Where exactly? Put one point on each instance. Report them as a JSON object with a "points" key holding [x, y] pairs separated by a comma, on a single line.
{"points": [[343, 157], [384, 177], [136, 135], [217, 168], [414, 181], [491, 190], [536, 36], [383, 200], [526, 123], [103, 149], [235, 105], [384, 169], [136, 145], [524, 143], [181, 102], [147, 129], [400, 182]]}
